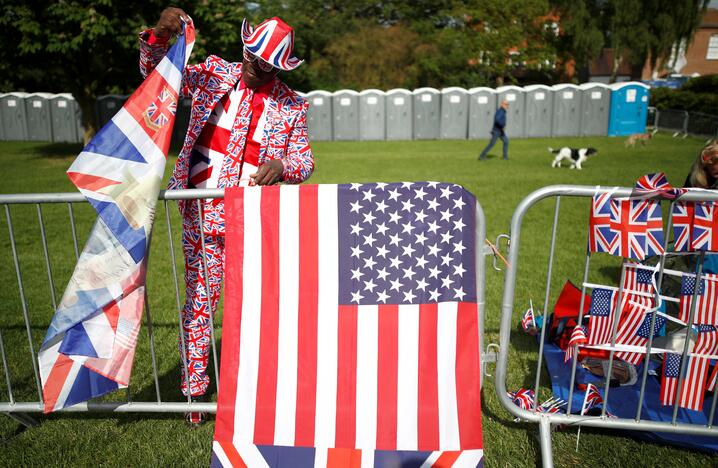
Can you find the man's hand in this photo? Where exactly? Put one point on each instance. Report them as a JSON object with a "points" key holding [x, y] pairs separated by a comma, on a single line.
{"points": [[268, 173], [170, 22]]}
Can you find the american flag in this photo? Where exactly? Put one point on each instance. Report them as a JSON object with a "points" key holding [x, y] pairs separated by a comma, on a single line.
{"points": [[694, 384], [640, 338], [651, 185], [705, 227], [578, 337], [601, 238], [669, 380], [639, 227], [365, 334], [600, 318], [683, 225], [528, 321], [707, 305], [713, 379], [636, 300], [90, 344], [591, 399]]}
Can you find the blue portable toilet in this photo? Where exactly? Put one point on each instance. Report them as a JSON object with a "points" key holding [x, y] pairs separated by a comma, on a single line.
{"points": [[629, 108]]}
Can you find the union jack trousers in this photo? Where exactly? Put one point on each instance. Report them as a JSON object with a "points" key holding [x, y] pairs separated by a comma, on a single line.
{"points": [[196, 311]]}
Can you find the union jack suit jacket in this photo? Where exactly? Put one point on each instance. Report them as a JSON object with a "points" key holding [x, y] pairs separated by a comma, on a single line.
{"points": [[285, 135]]}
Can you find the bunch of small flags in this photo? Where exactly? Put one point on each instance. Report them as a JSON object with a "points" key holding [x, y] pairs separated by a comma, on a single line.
{"points": [[525, 399]]}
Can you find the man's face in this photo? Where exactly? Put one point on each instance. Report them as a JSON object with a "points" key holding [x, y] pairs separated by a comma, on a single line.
{"points": [[505, 104], [255, 71]]}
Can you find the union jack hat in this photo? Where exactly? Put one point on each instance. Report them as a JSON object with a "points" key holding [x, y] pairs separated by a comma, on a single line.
{"points": [[272, 41]]}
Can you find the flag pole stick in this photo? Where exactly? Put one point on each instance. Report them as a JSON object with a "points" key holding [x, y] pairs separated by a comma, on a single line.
{"points": [[583, 410]]}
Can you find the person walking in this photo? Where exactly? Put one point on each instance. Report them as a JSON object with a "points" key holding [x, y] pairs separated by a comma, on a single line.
{"points": [[497, 131], [246, 128]]}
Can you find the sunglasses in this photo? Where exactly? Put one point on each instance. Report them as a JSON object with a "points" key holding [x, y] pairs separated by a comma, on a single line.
{"points": [[264, 66]]}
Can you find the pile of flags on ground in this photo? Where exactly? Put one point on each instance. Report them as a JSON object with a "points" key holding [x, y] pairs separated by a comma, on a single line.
{"points": [[89, 347]]}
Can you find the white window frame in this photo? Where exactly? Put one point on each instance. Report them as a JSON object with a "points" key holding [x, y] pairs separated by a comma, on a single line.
{"points": [[712, 52]]}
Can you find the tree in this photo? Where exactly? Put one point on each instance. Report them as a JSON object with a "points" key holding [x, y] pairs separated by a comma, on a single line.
{"points": [[581, 34], [89, 47]]}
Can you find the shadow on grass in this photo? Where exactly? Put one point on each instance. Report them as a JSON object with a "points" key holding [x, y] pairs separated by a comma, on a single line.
{"points": [[58, 150]]}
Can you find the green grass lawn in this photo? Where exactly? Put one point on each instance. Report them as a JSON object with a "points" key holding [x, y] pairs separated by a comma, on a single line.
{"points": [[77, 439]]}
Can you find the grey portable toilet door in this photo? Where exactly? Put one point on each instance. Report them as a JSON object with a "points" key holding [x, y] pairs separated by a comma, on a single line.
{"points": [[454, 113], [372, 114], [482, 106], [539, 106], [399, 114], [515, 114], [39, 120], [63, 117], [566, 110], [345, 107], [595, 108], [13, 116], [319, 115], [427, 113]]}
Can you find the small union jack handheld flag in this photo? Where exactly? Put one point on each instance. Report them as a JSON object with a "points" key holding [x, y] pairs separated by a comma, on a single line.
{"points": [[528, 321]]}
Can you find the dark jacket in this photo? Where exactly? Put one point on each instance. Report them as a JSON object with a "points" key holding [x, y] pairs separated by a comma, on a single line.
{"points": [[499, 121]]}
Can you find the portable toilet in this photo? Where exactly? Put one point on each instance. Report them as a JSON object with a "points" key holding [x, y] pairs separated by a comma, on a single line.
{"points": [[14, 121], [319, 115], [107, 106], [539, 108], [515, 115], [372, 114], [629, 108], [63, 117], [39, 120], [566, 110], [427, 113], [399, 114], [345, 107], [482, 106], [454, 113], [595, 107]]}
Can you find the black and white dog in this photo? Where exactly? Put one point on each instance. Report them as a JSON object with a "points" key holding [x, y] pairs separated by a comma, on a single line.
{"points": [[576, 156]]}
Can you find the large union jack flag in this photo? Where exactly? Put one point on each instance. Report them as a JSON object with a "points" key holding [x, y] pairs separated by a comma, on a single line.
{"points": [[90, 344]]}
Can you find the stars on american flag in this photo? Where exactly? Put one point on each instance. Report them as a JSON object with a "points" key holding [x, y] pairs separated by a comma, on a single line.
{"points": [[406, 243]]}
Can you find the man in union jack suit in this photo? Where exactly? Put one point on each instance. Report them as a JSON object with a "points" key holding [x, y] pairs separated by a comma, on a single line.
{"points": [[246, 128]]}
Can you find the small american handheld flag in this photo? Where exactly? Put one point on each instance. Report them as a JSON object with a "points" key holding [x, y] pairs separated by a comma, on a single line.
{"points": [[694, 384], [600, 319], [706, 312], [637, 299], [351, 326]]}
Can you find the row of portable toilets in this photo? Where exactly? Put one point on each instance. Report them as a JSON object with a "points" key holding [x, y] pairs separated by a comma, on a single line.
{"points": [[457, 113], [591, 109]]}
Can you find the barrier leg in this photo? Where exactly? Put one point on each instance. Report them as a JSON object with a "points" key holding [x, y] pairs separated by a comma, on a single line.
{"points": [[545, 441]]}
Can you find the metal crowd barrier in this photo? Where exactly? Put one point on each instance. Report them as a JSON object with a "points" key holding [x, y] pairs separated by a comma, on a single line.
{"points": [[546, 420], [675, 121], [24, 395]]}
